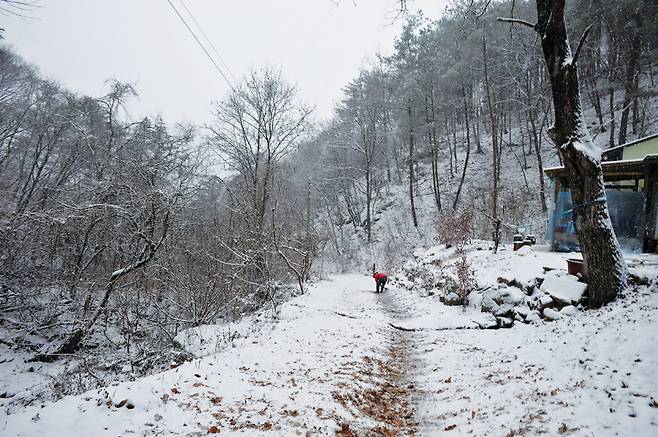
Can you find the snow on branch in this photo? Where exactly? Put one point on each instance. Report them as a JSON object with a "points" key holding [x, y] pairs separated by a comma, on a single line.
{"points": [[517, 21]]}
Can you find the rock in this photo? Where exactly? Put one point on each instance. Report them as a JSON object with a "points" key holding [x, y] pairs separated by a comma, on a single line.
{"points": [[524, 250], [513, 296], [504, 322], [452, 299], [505, 310], [489, 304], [475, 300], [545, 301], [522, 311], [533, 317], [565, 289], [569, 310], [551, 314], [489, 323]]}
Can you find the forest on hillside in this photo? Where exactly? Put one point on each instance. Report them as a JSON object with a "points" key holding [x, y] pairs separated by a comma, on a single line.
{"points": [[115, 234]]}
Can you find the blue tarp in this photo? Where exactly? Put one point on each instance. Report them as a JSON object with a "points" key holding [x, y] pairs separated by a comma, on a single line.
{"points": [[626, 211]]}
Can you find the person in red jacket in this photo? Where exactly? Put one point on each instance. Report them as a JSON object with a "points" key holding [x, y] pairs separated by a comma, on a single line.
{"points": [[380, 281]]}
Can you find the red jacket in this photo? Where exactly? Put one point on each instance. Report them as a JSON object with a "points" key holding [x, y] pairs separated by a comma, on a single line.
{"points": [[379, 276]]}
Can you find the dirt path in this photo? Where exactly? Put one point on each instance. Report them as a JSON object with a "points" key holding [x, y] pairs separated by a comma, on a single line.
{"points": [[385, 391]]}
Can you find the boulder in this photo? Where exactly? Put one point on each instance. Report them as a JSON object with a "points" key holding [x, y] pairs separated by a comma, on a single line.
{"points": [[524, 250], [522, 311], [545, 301], [533, 317], [490, 322], [490, 301], [551, 314], [564, 289], [504, 322], [452, 299], [569, 310]]}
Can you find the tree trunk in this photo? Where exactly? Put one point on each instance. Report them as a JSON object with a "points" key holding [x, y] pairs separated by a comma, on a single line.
{"points": [[368, 201], [494, 145], [434, 145], [595, 99], [452, 174], [468, 152], [629, 86], [612, 118], [411, 168], [606, 269]]}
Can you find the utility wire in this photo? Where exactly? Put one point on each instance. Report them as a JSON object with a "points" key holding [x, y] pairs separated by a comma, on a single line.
{"points": [[201, 45], [226, 67]]}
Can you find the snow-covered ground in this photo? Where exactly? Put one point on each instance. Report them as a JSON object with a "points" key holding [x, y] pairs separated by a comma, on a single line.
{"points": [[281, 379], [342, 360]]}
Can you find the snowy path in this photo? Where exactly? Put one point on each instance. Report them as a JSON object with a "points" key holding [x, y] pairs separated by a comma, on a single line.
{"points": [[331, 363]]}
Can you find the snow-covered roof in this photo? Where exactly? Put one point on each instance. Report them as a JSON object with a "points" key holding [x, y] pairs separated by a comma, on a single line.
{"points": [[636, 165], [631, 143]]}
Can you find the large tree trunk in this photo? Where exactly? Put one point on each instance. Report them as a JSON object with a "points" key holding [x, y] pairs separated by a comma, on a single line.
{"points": [[606, 269]]}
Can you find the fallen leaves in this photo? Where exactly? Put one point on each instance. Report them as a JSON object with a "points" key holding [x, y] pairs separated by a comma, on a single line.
{"points": [[345, 431], [387, 402], [290, 413]]}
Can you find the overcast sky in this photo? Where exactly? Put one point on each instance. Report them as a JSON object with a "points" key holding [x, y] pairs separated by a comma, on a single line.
{"points": [[319, 46]]}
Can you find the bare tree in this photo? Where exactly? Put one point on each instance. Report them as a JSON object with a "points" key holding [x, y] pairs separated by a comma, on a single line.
{"points": [[256, 127]]}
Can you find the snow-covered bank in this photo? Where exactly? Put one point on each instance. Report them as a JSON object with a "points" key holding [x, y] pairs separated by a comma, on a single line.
{"points": [[526, 286], [590, 373], [593, 374]]}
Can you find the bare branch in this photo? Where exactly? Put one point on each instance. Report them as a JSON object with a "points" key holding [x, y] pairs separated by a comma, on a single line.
{"points": [[517, 21], [580, 44]]}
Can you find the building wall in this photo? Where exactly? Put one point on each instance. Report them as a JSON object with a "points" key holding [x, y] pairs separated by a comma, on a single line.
{"points": [[640, 150]]}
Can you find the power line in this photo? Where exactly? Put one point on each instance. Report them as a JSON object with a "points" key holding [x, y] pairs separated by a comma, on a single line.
{"points": [[230, 73], [201, 45]]}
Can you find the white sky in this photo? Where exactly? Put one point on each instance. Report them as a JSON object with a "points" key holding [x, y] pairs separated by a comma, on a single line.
{"points": [[318, 45]]}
